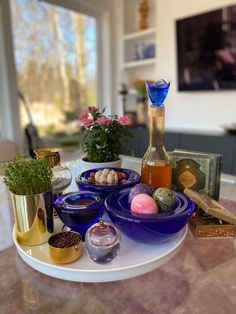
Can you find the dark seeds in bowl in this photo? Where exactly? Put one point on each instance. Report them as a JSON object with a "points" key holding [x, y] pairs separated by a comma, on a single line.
{"points": [[64, 239], [82, 202]]}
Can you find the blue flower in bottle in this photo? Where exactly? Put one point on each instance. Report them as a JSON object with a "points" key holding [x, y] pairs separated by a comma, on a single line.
{"points": [[157, 92]]}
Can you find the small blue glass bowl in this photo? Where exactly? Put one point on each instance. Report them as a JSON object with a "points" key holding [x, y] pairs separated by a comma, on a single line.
{"points": [[80, 210], [148, 228], [132, 178]]}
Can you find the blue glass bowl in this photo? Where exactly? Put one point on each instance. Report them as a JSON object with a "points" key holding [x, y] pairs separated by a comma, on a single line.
{"points": [[132, 178], [80, 210], [148, 228]]}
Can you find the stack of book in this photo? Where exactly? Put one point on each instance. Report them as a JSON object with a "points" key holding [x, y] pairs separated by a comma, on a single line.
{"points": [[197, 171], [197, 174]]}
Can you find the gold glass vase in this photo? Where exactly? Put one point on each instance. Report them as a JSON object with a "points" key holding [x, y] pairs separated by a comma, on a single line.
{"points": [[61, 175]]}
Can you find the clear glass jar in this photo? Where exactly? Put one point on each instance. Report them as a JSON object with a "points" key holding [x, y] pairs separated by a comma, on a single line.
{"points": [[61, 175], [102, 241]]}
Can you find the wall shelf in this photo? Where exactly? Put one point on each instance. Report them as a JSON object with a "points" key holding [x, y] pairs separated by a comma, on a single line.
{"points": [[139, 63], [136, 44], [140, 34]]}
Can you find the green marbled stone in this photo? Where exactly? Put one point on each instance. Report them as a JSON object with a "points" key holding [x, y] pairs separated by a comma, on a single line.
{"points": [[165, 199]]}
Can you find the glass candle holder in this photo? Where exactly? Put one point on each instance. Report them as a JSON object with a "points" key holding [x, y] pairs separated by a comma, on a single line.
{"points": [[102, 241], [61, 174]]}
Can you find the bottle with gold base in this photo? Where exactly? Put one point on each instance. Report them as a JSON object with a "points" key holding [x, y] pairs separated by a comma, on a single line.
{"points": [[156, 166]]}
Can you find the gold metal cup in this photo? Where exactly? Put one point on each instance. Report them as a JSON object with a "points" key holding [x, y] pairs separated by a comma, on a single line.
{"points": [[50, 153], [33, 217], [66, 254]]}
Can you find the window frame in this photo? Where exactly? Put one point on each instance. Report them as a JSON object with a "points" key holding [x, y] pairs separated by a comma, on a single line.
{"points": [[9, 109], [9, 106]]}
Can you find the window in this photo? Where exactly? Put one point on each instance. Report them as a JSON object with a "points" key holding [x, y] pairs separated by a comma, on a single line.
{"points": [[55, 53]]}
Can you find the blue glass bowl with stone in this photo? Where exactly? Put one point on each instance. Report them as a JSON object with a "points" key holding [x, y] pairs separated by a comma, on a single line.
{"points": [[148, 228], [80, 210]]}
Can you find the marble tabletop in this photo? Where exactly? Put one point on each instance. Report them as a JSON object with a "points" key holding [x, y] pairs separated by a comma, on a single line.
{"points": [[199, 279]]}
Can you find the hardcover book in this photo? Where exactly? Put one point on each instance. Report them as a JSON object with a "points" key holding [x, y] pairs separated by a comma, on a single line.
{"points": [[197, 171]]}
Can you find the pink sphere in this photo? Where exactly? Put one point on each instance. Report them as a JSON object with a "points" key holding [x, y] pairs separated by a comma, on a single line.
{"points": [[144, 204]]}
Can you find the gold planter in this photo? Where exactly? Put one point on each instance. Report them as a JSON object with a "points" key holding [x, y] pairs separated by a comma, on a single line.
{"points": [[33, 217]]}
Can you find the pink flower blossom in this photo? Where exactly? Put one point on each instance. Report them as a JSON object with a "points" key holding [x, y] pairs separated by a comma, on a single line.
{"points": [[83, 116], [124, 120], [104, 120], [87, 122], [93, 109]]}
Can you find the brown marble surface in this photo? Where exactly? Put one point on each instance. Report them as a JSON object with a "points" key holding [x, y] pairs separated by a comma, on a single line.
{"points": [[201, 278]]}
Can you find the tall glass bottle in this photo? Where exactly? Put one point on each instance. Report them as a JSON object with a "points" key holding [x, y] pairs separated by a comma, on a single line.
{"points": [[156, 166]]}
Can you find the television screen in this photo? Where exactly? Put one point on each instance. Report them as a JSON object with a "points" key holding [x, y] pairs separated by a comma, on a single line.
{"points": [[206, 46]]}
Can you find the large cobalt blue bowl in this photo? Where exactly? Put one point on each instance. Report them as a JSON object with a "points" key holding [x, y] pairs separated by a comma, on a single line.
{"points": [[80, 210], [148, 228], [132, 178]]}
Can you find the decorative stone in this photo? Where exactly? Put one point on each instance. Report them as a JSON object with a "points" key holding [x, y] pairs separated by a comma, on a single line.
{"points": [[140, 188], [165, 199], [143, 204]]}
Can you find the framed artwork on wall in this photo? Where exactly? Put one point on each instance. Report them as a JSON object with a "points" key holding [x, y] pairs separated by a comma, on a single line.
{"points": [[206, 50]]}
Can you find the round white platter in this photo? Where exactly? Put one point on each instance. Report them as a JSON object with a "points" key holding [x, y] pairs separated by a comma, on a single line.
{"points": [[134, 259]]}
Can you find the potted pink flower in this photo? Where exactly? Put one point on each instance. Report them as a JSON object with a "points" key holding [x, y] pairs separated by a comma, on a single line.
{"points": [[104, 138]]}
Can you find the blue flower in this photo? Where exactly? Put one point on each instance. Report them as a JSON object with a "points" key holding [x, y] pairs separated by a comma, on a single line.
{"points": [[157, 92]]}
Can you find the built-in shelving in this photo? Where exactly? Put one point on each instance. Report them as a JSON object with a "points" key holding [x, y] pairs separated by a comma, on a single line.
{"points": [[140, 34], [139, 63], [138, 45]]}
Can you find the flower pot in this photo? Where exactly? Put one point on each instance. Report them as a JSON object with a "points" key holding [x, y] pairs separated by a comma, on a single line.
{"points": [[33, 217], [87, 165]]}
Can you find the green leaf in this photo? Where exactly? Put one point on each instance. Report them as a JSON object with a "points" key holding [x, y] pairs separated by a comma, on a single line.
{"points": [[28, 176]]}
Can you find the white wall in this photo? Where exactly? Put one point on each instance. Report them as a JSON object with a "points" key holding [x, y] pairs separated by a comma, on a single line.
{"points": [[197, 111]]}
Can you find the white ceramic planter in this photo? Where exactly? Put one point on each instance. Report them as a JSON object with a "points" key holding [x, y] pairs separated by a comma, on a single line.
{"points": [[86, 165]]}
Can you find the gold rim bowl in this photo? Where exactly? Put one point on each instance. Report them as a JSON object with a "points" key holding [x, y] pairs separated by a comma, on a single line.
{"points": [[70, 252]]}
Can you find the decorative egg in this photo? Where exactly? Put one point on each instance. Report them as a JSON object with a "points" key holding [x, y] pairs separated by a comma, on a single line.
{"points": [[140, 189], [105, 172], [143, 204], [165, 199], [112, 177], [98, 174]]}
